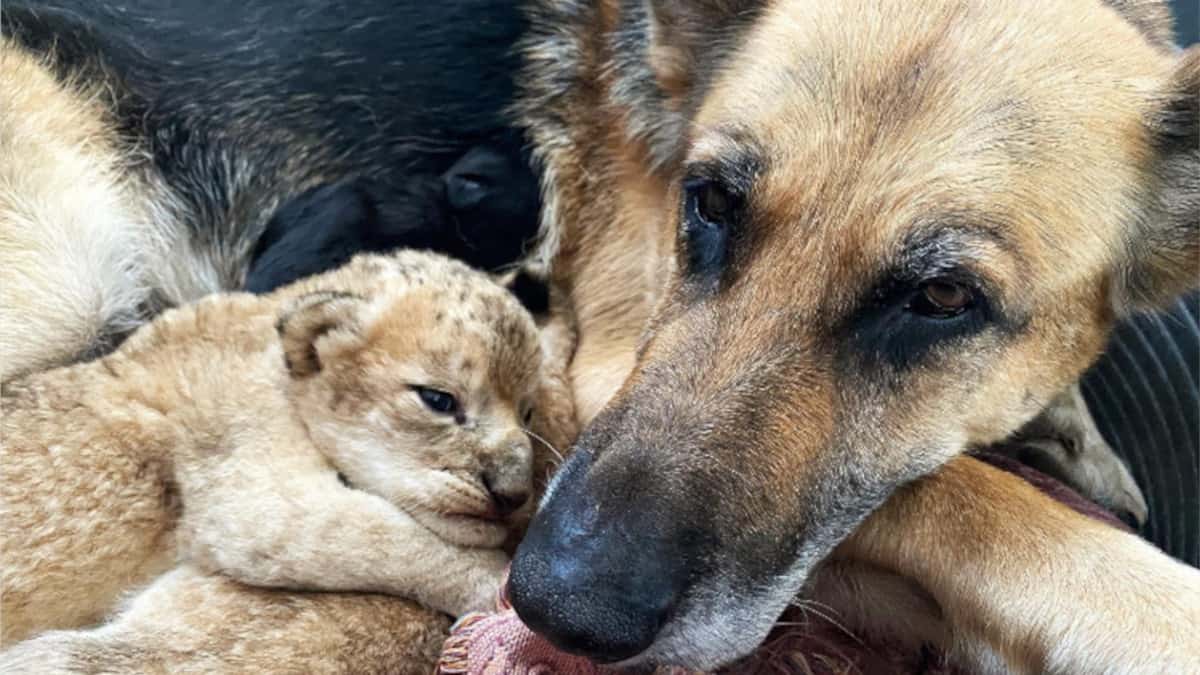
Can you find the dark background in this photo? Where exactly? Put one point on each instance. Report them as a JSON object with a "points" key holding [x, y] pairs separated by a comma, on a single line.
{"points": [[1187, 20]]}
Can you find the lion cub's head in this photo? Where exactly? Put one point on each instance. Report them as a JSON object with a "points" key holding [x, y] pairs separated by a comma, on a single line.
{"points": [[419, 386]]}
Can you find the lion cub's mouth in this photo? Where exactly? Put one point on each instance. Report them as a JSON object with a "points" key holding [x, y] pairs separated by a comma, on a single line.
{"points": [[473, 529], [489, 516], [485, 527]]}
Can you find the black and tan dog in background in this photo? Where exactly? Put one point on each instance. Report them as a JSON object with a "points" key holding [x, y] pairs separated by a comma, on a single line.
{"points": [[146, 146]]}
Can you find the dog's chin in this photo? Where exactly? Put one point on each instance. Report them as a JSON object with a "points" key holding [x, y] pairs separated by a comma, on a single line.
{"points": [[463, 530], [718, 626]]}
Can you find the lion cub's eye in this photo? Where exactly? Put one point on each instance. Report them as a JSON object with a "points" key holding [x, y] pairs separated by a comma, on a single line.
{"points": [[437, 401], [527, 417]]}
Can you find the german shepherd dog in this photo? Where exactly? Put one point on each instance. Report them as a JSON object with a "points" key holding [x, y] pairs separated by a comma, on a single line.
{"points": [[818, 249], [147, 145]]}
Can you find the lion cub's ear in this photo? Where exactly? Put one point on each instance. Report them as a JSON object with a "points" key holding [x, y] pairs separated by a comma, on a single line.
{"points": [[1163, 255], [315, 327]]}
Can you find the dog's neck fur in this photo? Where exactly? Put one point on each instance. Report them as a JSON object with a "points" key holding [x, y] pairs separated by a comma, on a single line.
{"points": [[608, 114], [601, 232]]}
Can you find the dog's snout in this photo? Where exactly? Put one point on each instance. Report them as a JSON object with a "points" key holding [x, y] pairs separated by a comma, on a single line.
{"points": [[556, 595], [599, 592]]}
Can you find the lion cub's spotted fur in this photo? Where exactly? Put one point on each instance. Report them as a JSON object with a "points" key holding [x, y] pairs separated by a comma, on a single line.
{"points": [[221, 435]]}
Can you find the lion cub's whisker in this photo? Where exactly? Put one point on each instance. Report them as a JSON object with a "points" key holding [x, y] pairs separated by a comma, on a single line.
{"points": [[548, 444]]}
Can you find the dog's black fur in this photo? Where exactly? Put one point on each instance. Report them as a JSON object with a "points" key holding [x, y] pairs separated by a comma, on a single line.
{"points": [[471, 212], [322, 114]]}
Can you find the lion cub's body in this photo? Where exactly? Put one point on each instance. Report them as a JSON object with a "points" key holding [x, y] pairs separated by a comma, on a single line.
{"points": [[195, 441]]}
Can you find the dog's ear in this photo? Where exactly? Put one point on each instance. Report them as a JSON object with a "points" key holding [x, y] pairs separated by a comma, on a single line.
{"points": [[1162, 257], [318, 327], [682, 31], [533, 293], [669, 51]]}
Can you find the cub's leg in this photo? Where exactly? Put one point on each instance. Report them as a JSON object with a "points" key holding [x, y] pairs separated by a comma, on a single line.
{"points": [[304, 530], [191, 622], [86, 508]]}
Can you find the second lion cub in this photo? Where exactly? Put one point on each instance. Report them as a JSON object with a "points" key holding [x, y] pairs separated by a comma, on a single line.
{"points": [[360, 430]]}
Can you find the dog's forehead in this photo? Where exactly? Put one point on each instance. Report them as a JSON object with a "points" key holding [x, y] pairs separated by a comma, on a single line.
{"points": [[902, 59], [870, 119]]}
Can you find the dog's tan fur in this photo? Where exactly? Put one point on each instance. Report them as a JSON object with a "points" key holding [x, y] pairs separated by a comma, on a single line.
{"points": [[194, 441], [69, 231], [1072, 121]]}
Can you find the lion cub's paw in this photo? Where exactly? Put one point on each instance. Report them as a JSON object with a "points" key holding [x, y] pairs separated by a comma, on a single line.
{"points": [[1064, 442], [481, 585]]}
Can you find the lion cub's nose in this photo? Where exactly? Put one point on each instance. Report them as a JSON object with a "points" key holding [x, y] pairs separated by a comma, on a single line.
{"points": [[506, 505], [505, 501], [506, 493]]}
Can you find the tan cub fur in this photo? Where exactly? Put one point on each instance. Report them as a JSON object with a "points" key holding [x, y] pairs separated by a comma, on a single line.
{"points": [[189, 621], [217, 434]]}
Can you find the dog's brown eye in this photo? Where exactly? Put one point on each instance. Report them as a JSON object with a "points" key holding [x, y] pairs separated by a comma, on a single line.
{"points": [[941, 299], [710, 212], [437, 401], [714, 204]]}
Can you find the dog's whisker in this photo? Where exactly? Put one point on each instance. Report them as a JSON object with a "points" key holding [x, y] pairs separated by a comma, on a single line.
{"points": [[826, 613], [817, 603], [801, 660]]}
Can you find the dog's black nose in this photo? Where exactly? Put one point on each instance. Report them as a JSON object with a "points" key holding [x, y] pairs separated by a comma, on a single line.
{"points": [[559, 598], [599, 592]]}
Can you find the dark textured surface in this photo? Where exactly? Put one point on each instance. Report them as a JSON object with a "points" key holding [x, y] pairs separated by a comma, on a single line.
{"points": [[1145, 395], [1187, 20]]}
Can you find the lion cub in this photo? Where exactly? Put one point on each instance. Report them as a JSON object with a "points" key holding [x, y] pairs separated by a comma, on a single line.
{"points": [[363, 430]]}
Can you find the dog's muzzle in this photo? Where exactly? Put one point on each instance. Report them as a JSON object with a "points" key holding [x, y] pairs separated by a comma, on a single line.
{"points": [[595, 585]]}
